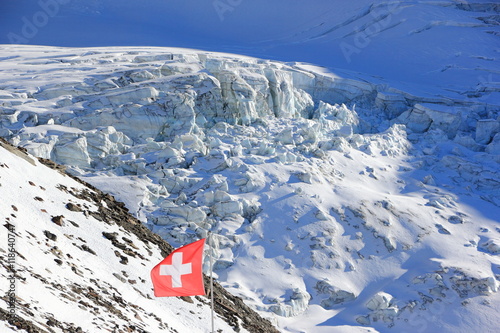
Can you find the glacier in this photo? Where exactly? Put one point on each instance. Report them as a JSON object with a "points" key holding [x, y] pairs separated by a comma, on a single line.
{"points": [[334, 200]]}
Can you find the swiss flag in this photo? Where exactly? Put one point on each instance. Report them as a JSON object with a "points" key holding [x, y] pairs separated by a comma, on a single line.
{"points": [[180, 274]]}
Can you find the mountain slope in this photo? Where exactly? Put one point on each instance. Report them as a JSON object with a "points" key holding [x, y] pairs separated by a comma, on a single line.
{"points": [[82, 262], [451, 45]]}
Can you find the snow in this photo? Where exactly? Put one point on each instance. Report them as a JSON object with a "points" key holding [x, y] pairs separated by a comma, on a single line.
{"points": [[411, 45]]}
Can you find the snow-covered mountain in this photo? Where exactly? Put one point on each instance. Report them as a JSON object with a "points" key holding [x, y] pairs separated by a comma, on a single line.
{"points": [[82, 262], [339, 204]]}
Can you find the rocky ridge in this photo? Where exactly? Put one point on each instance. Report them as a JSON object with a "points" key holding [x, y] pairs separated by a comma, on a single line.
{"points": [[108, 303]]}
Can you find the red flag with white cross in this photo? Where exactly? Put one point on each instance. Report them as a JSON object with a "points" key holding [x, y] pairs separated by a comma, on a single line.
{"points": [[180, 274]]}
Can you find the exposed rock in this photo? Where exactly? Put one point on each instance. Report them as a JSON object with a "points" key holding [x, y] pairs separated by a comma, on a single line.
{"points": [[50, 235], [72, 207], [59, 220]]}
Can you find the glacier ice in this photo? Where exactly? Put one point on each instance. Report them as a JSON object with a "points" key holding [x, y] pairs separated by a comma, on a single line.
{"points": [[324, 175]]}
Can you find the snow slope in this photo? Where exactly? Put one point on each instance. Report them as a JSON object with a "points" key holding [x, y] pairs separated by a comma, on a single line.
{"points": [[83, 263], [340, 204], [451, 45]]}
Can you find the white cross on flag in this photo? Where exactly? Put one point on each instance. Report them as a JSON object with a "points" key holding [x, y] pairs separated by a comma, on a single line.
{"points": [[180, 274]]}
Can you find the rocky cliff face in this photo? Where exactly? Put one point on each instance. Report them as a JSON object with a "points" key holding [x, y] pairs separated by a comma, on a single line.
{"points": [[318, 187]]}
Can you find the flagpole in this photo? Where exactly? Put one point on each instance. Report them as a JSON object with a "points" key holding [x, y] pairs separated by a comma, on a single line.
{"points": [[211, 279]]}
